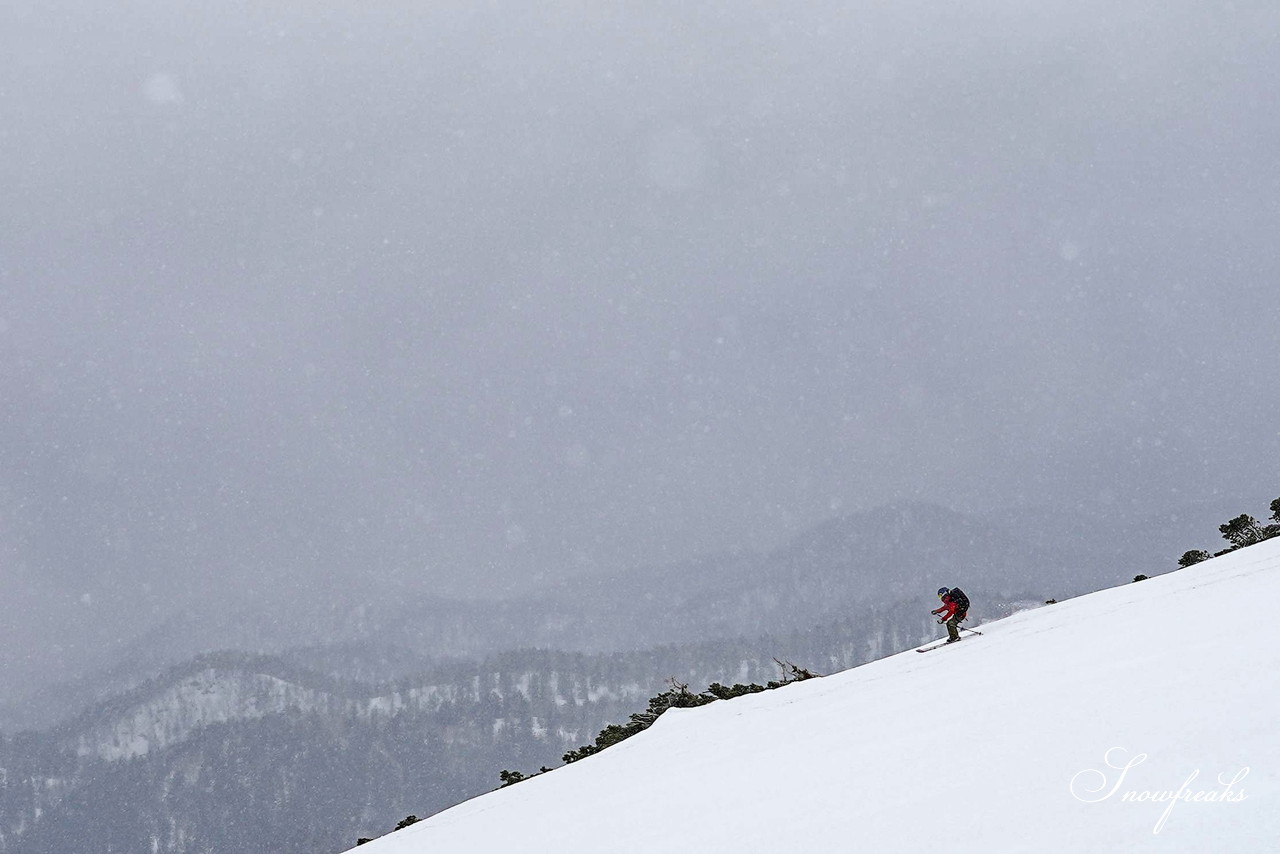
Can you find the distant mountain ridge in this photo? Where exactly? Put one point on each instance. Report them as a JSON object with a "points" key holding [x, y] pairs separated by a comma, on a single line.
{"points": [[842, 566], [227, 744], [839, 567]]}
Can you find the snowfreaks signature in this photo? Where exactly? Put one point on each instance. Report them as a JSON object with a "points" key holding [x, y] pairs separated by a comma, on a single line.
{"points": [[1083, 788]]}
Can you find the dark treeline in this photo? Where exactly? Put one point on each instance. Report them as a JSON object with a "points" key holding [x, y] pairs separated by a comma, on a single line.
{"points": [[1244, 530]]}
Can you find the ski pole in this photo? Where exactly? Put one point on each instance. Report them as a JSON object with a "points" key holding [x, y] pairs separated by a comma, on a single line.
{"points": [[967, 629]]}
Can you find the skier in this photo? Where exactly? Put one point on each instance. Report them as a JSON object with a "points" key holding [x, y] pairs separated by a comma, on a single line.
{"points": [[955, 607]]}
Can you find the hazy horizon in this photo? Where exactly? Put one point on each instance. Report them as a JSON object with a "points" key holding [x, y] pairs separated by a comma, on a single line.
{"points": [[344, 299]]}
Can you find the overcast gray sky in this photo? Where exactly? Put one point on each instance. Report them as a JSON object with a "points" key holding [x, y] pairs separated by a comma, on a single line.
{"points": [[425, 295]]}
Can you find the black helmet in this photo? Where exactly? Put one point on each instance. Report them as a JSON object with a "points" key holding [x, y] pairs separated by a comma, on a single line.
{"points": [[943, 591]]}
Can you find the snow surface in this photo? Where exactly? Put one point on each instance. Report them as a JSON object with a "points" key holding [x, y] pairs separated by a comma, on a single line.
{"points": [[998, 744]]}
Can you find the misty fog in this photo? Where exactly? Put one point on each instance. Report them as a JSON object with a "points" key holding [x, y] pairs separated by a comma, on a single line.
{"points": [[343, 301]]}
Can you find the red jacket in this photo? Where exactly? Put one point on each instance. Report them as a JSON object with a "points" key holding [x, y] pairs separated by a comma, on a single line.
{"points": [[950, 606]]}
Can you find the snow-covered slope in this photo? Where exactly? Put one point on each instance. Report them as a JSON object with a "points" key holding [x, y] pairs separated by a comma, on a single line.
{"points": [[1011, 742]]}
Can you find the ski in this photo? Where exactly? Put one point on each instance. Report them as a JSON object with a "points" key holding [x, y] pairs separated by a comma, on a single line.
{"points": [[931, 647], [939, 644]]}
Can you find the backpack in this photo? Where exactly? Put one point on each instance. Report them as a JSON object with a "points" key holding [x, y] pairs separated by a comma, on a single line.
{"points": [[961, 600]]}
